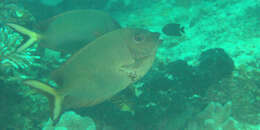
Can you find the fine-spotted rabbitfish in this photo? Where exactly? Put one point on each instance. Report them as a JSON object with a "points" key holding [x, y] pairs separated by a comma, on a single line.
{"points": [[70, 31], [101, 69]]}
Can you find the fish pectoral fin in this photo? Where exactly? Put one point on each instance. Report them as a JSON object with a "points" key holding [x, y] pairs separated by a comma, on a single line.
{"points": [[55, 99], [130, 70], [33, 36]]}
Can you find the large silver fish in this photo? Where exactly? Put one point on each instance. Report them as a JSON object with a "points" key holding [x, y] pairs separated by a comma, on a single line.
{"points": [[100, 69]]}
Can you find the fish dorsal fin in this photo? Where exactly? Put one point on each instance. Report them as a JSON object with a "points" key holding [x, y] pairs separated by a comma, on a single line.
{"points": [[54, 98]]}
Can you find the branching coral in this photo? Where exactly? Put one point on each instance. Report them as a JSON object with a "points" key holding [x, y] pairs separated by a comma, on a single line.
{"points": [[10, 60]]}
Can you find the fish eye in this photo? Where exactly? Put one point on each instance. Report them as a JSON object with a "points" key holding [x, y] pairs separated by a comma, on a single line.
{"points": [[138, 37]]}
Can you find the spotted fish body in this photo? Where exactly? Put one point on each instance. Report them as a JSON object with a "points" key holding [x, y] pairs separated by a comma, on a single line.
{"points": [[101, 69]]}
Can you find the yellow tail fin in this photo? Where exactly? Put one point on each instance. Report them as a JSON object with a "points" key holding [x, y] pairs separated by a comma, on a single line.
{"points": [[55, 99], [33, 36]]}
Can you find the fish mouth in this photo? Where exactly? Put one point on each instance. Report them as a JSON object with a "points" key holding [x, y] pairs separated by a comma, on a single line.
{"points": [[147, 53], [156, 37]]}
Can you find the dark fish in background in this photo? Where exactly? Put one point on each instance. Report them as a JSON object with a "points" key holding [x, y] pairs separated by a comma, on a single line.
{"points": [[173, 29], [70, 31]]}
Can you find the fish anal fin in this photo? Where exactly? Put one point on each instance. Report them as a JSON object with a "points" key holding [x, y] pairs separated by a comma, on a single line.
{"points": [[33, 36], [54, 98]]}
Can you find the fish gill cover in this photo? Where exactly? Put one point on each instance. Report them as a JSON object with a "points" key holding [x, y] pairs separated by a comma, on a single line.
{"points": [[207, 78]]}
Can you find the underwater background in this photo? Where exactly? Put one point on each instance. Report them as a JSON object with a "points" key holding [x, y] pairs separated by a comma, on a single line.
{"points": [[206, 75]]}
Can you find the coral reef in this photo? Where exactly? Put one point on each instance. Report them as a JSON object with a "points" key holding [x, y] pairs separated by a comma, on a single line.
{"points": [[243, 90], [214, 65], [214, 117], [12, 13], [164, 92], [17, 108], [207, 25], [191, 71], [71, 121], [18, 103], [14, 64], [217, 117]]}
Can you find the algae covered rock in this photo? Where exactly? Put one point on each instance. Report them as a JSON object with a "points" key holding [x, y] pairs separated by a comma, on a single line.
{"points": [[215, 64]]}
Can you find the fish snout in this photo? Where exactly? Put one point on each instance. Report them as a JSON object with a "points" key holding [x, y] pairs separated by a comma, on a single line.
{"points": [[156, 36]]}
